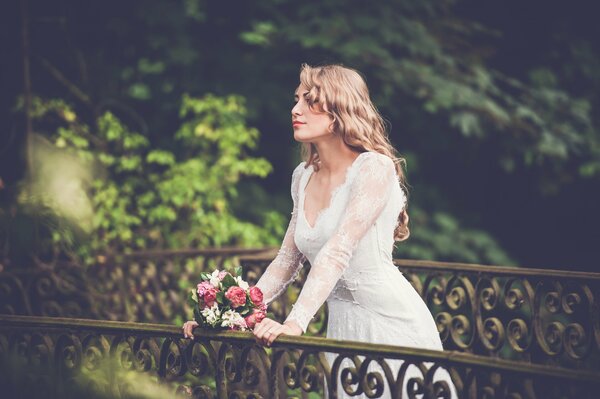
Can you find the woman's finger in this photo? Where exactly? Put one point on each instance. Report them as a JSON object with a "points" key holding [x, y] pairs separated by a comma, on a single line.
{"points": [[270, 333], [269, 336], [188, 329], [257, 332], [273, 334], [261, 328], [260, 333]]}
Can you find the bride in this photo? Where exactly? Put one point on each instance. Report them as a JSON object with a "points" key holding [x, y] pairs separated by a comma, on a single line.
{"points": [[349, 209]]}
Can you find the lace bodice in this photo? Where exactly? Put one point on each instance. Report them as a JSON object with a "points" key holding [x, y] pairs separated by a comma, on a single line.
{"points": [[350, 244]]}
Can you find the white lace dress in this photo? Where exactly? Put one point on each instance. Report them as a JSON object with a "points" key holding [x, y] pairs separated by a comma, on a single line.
{"points": [[350, 252]]}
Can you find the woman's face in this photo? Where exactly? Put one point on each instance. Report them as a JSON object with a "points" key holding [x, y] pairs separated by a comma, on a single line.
{"points": [[309, 125]]}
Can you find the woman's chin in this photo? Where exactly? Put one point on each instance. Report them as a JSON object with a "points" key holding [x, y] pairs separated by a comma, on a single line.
{"points": [[299, 137], [309, 138]]}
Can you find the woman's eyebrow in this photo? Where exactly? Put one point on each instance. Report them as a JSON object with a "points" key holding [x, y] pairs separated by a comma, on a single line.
{"points": [[296, 94]]}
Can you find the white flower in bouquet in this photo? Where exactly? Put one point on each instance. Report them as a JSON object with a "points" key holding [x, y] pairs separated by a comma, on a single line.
{"points": [[231, 318], [241, 283], [214, 279], [212, 314]]}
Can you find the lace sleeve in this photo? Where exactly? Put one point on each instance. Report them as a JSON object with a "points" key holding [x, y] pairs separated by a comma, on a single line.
{"points": [[289, 260], [369, 193]]}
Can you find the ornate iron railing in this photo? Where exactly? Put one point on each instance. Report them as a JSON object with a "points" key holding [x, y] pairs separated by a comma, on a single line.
{"points": [[143, 286], [531, 315], [57, 357]]}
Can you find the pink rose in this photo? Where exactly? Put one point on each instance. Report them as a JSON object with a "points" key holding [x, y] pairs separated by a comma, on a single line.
{"points": [[210, 296], [254, 318], [202, 287], [237, 296], [256, 295]]}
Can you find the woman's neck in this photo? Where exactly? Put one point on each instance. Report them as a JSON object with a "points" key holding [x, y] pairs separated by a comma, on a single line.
{"points": [[335, 156]]}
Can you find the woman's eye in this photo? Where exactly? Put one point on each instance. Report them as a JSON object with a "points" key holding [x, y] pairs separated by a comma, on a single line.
{"points": [[309, 99]]}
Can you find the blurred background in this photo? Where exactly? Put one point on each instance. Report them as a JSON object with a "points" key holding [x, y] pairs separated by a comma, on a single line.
{"points": [[136, 125]]}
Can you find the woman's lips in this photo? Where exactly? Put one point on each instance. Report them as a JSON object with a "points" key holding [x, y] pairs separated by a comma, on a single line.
{"points": [[296, 123]]}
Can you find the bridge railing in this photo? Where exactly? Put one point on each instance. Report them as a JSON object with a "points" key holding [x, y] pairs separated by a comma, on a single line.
{"points": [[63, 358], [143, 286], [532, 315]]}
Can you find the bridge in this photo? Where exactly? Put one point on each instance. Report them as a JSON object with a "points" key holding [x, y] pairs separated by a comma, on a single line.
{"points": [[113, 330]]}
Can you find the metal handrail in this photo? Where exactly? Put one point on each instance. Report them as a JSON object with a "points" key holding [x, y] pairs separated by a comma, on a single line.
{"points": [[301, 342]]}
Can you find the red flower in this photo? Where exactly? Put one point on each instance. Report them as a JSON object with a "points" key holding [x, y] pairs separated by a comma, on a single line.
{"points": [[256, 295], [210, 296], [254, 318], [237, 296]]}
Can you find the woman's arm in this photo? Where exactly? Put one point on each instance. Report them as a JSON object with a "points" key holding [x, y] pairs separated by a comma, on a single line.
{"points": [[369, 193], [289, 260]]}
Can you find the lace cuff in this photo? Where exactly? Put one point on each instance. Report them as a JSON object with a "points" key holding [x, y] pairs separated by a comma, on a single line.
{"points": [[300, 315]]}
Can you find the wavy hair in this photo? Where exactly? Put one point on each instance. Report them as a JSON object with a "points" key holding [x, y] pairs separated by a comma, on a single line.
{"points": [[343, 94]]}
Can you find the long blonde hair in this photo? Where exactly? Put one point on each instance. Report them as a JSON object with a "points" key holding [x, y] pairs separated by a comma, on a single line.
{"points": [[343, 94]]}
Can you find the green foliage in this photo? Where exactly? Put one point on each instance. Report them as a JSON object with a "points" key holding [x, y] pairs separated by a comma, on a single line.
{"points": [[449, 77], [419, 50], [147, 197]]}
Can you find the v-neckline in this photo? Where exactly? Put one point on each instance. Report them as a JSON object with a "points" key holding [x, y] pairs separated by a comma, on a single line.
{"points": [[331, 195]]}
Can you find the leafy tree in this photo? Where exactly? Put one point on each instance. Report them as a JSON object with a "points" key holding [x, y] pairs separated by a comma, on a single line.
{"points": [[127, 194], [495, 103], [422, 51]]}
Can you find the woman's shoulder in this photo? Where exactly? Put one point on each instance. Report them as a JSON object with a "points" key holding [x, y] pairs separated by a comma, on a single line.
{"points": [[298, 171], [296, 176], [375, 162], [300, 167]]}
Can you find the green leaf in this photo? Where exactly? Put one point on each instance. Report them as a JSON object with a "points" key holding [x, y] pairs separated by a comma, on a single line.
{"points": [[244, 311], [160, 157], [204, 276], [238, 271], [139, 91], [228, 281], [221, 297], [192, 298], [198, 316]]}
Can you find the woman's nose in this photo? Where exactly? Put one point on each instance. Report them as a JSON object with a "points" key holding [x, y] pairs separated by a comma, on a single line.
{"points": [[296, 110]]}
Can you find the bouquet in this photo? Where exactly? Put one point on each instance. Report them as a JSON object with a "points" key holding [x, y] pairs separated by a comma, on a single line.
{"points": [[222, 300]]}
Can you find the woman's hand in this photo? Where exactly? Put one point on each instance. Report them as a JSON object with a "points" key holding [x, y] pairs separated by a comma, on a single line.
{"points": [[188, 328], [267, 330]]}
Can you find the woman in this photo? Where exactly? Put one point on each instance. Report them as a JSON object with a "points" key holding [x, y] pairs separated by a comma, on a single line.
{"points": [[349, 209]]}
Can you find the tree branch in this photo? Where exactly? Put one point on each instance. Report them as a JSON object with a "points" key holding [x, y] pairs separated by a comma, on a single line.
{"points": [[58, 75]]}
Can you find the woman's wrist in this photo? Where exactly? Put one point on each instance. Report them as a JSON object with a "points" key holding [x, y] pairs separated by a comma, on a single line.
{"points": [[295, 327]]}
